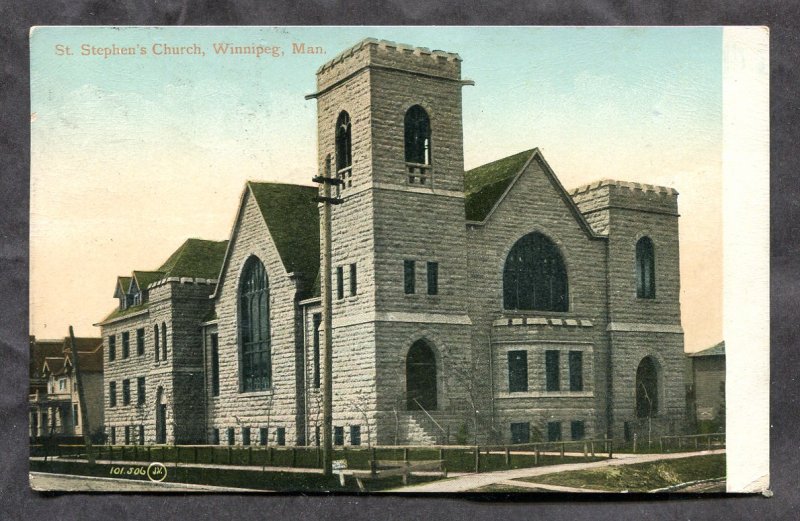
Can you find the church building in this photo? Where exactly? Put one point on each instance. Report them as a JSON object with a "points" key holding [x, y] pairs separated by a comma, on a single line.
{"points": [[489, 305]]}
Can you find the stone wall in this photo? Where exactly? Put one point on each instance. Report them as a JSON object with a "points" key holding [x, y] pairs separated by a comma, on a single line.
{"points": [[276, 407], [179, 304], [641, 327], [536, 204]]}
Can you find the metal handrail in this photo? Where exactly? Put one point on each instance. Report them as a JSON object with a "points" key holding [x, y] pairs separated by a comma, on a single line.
{"points": [[429, 416]]}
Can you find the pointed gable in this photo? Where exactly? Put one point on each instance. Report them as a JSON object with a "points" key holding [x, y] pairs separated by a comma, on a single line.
{"points": [[487, 186], [123, 283]]}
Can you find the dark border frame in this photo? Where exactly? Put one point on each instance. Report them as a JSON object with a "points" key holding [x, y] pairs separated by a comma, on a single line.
{"points": [[16, 18]]}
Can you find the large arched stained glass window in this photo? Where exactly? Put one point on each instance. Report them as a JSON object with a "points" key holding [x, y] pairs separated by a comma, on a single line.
{"points": [[256, 368], [418, 136], [645, 269], [534, 277], [344, 142]]}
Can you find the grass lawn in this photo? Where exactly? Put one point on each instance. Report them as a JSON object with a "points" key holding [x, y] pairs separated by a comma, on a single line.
{"points": [[639, 477]]}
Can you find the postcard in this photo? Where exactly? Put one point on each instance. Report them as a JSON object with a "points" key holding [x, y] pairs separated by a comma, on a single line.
{"points": [[399, 259]]}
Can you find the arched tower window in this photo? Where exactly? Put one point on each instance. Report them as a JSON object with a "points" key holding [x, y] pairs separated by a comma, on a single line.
{"points": [[534, 277], [256, 365], [645, 269], [421, 377], [418, 136], [344, 142], [646, 388]]}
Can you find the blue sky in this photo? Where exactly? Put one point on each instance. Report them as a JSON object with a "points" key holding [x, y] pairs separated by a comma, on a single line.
{"points": [[132, 154]]}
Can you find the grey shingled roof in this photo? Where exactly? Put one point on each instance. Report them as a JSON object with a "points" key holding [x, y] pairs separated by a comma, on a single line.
{"points": [[715, 350]]}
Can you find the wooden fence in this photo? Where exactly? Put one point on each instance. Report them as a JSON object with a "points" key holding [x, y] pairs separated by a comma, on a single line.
{"points": [[458, 458], [692, 441]]}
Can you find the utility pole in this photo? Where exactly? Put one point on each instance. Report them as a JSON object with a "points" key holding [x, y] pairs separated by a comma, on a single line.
{"points": [[87, 440], [327, 302]]}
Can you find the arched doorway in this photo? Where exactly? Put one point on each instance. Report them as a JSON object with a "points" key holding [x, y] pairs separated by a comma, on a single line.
{"points": [[420, 377], [161, 417], [646, 388]]}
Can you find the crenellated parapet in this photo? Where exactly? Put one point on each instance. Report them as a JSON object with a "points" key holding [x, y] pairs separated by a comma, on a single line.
{"points": [[371, 52]]}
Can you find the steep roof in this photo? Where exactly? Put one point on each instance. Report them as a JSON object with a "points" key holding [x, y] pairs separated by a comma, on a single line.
{"points": [[195, 258], [83, 343], [90, 361], [145, 278], [293, 220], [715, 350], [130, 310], [41, 349], [484, 185]]}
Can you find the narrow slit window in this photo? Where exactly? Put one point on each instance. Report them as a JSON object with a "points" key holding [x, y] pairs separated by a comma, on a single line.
{"points": [[517, 371], [157, 342], [353, 280], [408, 277], [576, 371], [553, 382], [433, 278], [317, 320], [214, 364]]}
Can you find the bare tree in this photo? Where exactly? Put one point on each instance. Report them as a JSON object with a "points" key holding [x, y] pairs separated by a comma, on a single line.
{"points": [[468, 378], [649, 414], [361, 403]]}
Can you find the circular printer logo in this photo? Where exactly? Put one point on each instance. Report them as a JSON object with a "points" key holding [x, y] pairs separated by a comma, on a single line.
{"points": [[156, 471]]}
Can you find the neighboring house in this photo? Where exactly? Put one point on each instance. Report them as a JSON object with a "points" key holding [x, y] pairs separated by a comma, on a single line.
{"points": [[490, 304], [707, 368], [55, 407]]}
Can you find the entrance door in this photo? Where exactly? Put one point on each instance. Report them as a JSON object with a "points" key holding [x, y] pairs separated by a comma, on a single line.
{"points": [[421, 377]]}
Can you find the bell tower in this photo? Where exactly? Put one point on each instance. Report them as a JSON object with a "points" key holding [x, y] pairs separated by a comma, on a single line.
{"points": [[390, 126]]}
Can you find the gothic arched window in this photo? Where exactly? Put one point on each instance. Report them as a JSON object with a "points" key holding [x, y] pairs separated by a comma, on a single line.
{"points": [[535, 277], [645, 269], [256, 365], [344, 142], [418, 136]]}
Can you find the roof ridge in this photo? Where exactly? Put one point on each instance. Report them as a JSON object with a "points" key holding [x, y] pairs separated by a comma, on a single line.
{"points": [[256, 182]]}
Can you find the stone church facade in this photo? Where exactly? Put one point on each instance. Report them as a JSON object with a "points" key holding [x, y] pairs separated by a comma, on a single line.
{"points": [[491, 304]]}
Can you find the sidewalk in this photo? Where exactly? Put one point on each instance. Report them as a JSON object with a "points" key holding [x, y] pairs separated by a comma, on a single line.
{"points": [[47, 482], [467, 482]]}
